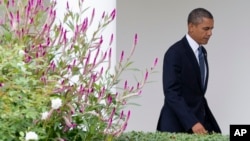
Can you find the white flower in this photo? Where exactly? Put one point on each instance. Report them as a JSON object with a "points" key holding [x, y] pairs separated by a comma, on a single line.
{"points": [[31, 136], [56, 103], [21, 53], [45, 115], [22, 66]]}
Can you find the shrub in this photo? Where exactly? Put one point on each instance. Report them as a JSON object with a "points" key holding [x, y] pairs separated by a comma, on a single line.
{"points": [[57, 83], [165, 136]]}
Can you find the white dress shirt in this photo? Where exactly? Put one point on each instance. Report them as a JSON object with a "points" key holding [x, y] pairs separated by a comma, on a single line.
{"points": [[194, 45]]}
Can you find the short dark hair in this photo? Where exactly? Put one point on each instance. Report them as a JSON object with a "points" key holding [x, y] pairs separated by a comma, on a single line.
{"points": [[196, 15]]}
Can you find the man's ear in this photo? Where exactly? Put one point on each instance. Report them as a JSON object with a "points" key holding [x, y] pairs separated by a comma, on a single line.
{"points": [[190, 27]]}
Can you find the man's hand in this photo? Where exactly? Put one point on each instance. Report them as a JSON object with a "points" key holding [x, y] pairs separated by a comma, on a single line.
{"points": [[198, 128]]}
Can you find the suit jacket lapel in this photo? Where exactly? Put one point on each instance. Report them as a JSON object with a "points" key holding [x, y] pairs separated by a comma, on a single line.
{"points": [[193, 60], [206, 62]]}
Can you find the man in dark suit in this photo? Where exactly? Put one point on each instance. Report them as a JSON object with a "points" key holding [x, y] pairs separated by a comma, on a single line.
{"points": [[185, 107]]}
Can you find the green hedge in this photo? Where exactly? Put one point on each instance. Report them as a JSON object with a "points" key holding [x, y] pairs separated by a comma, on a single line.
{"points": [[161, 136]]}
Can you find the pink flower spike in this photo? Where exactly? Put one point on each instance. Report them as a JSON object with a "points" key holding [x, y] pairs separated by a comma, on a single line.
{"points": [[101, 40], [87, 59], [52, 63], [96, 55], [110, 53], [45, 27], [109, 99], [28, 11], [128, 115], [131, 89], [125, 85], [67, 5], [13, 3], [139, 92], [11, 15], [111, 39], [81, 88], [74, 62], [125, 126], [135, 40], [156, 61], [138, 85], [44, 53], [8, 4], [110, 122], [103, 14], [17, 17], [146, 76], [31, 20], [112, 15], [65, 36], [112, 114], [126, 121], [84, 25], [40, 2], [122, 55], [101, 71], [121, 115], [104, 56], [54, 14]]}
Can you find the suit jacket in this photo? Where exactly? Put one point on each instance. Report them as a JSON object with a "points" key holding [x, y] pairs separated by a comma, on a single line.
{"points": [[185, 103]]}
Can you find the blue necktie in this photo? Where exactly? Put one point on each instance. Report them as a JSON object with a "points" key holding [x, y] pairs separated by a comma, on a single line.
{"points": [[202, 66]]}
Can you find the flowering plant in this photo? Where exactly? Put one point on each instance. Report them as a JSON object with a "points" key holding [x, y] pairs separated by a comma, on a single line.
{"points": [[59, 87]]}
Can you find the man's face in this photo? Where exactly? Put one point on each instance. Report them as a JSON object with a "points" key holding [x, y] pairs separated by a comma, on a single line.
{"points": [[201, 32]]}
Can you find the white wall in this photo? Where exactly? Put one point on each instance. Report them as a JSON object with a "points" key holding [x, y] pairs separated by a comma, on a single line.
{"points": [[159, 24]]}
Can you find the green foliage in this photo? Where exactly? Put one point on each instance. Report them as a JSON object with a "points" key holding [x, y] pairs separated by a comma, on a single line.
{"points": [[56, 83], [22, 94], [165, 136]]}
